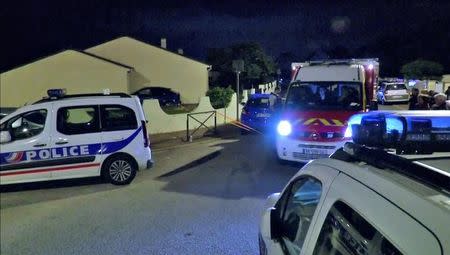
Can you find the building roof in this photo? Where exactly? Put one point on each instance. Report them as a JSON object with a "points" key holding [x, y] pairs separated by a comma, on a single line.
{"points": [[77, 51], [106, 60], [147, 44]]}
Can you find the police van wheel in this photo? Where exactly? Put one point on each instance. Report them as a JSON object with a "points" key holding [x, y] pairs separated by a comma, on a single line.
{"points": [[119, 170]]}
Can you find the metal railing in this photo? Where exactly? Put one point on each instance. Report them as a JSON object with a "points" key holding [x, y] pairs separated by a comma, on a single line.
{"points": [[202, 123]]}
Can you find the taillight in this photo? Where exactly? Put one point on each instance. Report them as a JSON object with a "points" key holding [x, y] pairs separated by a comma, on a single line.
{"points": [[145, 134]]}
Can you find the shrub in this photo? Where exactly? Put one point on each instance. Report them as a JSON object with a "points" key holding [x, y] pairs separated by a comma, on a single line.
{"points": [[220, 97]]}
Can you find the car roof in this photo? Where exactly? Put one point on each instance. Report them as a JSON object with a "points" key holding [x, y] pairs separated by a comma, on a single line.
{"points": [[82, 99], [429, 206], [259, 96]]}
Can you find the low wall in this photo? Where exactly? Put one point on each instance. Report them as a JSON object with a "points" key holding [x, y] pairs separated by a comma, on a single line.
{"points": [[160, 122]]}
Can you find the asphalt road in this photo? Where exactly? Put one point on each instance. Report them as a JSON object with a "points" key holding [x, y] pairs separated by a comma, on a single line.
{"points": [[210, 207], [200, 198]]}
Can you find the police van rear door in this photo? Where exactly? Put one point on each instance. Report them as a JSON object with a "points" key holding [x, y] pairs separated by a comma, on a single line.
{"points": [[76, 141], [26, 157], [121, 130]]}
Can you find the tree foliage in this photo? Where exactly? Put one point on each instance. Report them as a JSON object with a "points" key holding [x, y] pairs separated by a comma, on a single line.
{"points": [[220, 97], [258, 66], [422, 69]]}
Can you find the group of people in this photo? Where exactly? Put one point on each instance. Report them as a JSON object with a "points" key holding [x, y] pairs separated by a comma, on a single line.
{"points": [[429, 100]]}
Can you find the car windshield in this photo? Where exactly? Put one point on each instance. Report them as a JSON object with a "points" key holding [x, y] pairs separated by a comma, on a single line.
{"points": [[324, 96], [258, 102], [399, 86]]}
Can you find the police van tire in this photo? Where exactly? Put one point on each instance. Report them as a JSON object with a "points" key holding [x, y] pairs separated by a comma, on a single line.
{"points": [[119, 170]]}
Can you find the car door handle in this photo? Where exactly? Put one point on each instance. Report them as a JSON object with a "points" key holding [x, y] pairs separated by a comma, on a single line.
{"points": [[40, 145], [61, 142]]}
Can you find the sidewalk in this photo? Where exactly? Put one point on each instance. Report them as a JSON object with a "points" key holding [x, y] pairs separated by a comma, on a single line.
{"points": [[170, 140]]}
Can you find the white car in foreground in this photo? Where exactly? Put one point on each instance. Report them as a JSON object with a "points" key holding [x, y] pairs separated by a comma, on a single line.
{"points": [[367, 200]]}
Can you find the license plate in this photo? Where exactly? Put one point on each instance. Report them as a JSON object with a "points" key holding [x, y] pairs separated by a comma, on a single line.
{"points": [[315, 151], [396, 96], [263, 115]]}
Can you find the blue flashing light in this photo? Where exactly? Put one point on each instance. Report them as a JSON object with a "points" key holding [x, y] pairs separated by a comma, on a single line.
{"points": [[406, 132], [55, 93], [284, 128]]}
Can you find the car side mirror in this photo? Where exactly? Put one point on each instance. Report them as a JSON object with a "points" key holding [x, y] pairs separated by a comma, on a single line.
{"points": [[373, 106], [17, 123], [5, 137], [275, 223]]}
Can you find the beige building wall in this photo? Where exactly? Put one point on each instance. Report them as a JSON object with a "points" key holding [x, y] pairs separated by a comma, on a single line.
{"points": [[75, 71], [446, 81], [157, 67]]}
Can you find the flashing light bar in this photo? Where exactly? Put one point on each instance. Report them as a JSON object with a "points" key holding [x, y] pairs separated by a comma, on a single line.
{"points": [[56, 93], [407, 133]]}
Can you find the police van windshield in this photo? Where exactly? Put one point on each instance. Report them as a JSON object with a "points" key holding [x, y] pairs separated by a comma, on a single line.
{"points": [[324, 96]]}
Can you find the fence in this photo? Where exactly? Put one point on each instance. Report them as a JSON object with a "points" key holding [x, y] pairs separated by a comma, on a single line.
{"points": [[160, 122]]}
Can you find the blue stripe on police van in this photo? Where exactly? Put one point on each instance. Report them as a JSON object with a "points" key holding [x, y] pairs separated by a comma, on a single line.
{"points": [[64, 152]]}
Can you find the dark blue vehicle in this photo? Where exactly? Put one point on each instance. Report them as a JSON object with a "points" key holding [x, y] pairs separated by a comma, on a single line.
{"points": [[258, 112], [165, 96]]}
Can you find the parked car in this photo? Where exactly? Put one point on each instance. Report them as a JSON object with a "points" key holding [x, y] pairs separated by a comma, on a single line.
{"points": [[258, 112], [392, 92], [165, 96], [365, 198], [74, 136]]}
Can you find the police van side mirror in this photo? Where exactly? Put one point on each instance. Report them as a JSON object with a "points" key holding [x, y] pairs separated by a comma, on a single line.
{"points": [[5, 137]]}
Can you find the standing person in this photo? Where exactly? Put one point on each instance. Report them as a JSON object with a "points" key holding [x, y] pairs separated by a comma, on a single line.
{"points": [[422, 102], [447, 92], [413, 99], [439, 102]]}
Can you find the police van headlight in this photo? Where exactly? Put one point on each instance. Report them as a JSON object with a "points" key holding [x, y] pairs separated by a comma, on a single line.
{"points": [[284, 128]]}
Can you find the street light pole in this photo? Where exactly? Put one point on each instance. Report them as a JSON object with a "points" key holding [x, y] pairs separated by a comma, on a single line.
{"points": [[237, 95]]}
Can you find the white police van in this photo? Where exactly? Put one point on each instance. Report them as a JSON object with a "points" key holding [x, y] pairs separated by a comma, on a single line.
{"points": [[387, 192], [73, 136]]}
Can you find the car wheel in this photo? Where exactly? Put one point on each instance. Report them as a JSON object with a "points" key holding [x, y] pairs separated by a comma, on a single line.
{"points": [[119, 170]]}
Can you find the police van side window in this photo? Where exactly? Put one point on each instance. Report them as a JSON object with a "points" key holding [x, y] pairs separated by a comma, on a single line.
{"points": [[117, 117], [78, 120], [346, 232], [301, 204], [26, 125]]}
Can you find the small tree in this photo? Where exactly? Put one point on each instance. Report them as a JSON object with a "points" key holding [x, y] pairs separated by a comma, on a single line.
{"points": [[220, 97], [422, 70]]}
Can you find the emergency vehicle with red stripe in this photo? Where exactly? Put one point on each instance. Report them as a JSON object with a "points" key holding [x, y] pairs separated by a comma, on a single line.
{"points": [[321, 98]]}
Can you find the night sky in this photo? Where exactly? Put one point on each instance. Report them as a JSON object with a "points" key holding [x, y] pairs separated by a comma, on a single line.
{"points": [[395, 31]]}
